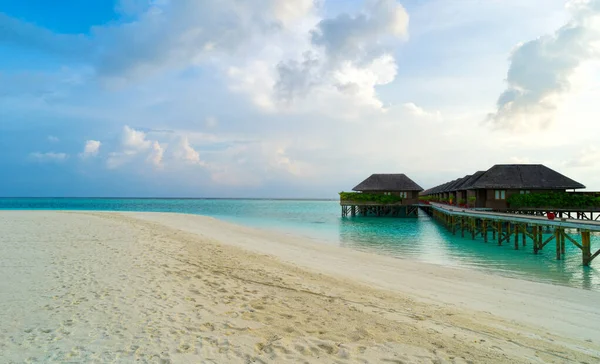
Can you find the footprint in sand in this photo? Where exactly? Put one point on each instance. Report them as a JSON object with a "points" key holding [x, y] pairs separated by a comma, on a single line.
{"points": [[207, 327]]}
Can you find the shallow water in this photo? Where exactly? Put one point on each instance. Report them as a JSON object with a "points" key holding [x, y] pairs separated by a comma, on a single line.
{"points": [[420, 239]]}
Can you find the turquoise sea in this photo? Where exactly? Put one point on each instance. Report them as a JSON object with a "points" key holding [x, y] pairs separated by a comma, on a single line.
{"points": [[420, 239]]}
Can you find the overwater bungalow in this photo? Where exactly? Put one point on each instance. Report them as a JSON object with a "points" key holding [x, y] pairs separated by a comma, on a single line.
{"points": [[393, 195], [496, 185], [391, 184], [492, 188]]}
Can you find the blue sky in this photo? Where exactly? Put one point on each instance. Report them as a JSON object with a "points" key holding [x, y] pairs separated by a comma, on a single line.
{"points": [[303, 98]]}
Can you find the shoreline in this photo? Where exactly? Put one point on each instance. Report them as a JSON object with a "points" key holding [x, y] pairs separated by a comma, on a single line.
{"points": [[177, 287], [298, 245]]}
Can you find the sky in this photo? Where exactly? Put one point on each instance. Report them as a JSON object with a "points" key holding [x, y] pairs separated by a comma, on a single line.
{"points": [[291, 98]]}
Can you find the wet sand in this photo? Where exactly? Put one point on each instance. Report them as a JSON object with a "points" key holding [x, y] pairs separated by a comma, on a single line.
{"points": [[161, 288]]}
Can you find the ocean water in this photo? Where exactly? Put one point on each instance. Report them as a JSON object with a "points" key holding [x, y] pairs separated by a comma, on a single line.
{"points": [[420, 239]]}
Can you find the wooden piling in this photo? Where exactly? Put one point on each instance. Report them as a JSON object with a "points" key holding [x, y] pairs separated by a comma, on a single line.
{"points": [[557, 237], [536, 238], [517, 236], [485, 234], [586, 248], [499, 233]]}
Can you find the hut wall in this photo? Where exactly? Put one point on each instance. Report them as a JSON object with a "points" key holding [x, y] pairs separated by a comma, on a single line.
{"points": [[491, 201], [480, 195], [461, 195]]}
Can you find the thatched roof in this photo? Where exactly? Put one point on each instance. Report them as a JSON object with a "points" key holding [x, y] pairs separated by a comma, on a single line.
{"points": [[461, 183], [470, 181], [387, 182], [456, 185], [524, 176], [440, 188], [450, 184]]}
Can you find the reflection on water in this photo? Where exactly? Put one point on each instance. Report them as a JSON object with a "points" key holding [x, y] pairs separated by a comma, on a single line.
{"points": [[426, 240], [421, 239]]}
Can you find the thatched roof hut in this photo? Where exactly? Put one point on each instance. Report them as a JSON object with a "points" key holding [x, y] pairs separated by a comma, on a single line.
{"points": [[524, 176], [388, 183]]}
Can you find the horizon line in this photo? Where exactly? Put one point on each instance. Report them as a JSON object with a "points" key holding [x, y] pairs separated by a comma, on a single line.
{"points": [[174, 198]]}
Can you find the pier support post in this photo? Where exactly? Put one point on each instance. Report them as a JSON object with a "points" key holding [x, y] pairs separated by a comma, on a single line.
{"points": [[499, 232], [557, 237], [586, 248], [517, 236], [462, 226], [524, 234], [485, 234], [536, 237], [473, 228], [562, 241]]}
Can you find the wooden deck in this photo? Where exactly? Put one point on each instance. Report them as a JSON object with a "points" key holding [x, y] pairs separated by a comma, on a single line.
{"points": [[505, 226], [590, 225]]}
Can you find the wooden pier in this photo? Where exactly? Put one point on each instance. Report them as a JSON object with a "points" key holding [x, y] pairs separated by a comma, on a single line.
{"points": [[517, 229]]}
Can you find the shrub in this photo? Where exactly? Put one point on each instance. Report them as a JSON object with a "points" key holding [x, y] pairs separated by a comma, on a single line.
{"points": [[369, 197], [553, 200]]}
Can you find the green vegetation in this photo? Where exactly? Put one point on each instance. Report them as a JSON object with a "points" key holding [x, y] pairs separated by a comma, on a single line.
{"points": [[369, 197], [472, 201], [556, 200], [462, 201]]}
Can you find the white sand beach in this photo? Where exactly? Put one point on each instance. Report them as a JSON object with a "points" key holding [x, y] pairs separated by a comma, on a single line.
{"points": [[91, 287]]}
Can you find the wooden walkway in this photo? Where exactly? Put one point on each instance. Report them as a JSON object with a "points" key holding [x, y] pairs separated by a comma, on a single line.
{"points": [[504, 227]]}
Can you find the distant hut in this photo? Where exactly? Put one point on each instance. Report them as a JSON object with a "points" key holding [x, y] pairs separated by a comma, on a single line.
{"points": [[497, 184], [465, 191], [454, 196], [446, 189], [391, 184]]}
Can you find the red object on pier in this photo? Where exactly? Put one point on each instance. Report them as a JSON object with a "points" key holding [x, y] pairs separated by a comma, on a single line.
{"points": [[551, 215]]}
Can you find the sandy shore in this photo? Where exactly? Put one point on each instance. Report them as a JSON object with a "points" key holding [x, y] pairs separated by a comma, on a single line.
{"points": [[162, 288]]}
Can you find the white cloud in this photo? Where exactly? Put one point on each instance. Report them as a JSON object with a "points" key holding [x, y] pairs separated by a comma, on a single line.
{"points": [[91, 149], [161, 151], [132, 146], [353, 37], [541, 70], [156, 155], [343, 58], [133, 140], [183, 151], [419, 112], [53, 139], [49, 157]]}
